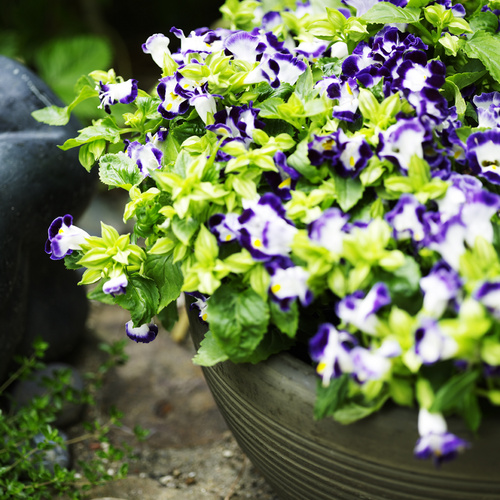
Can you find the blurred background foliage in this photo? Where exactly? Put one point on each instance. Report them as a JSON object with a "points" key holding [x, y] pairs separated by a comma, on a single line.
{"points": [[61, 40]]}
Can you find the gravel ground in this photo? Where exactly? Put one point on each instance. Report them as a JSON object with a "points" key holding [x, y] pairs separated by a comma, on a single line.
{"points": [[190, 454]]}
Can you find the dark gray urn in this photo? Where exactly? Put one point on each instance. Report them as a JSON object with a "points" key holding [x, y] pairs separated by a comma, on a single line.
{"points": [[38, 182]]}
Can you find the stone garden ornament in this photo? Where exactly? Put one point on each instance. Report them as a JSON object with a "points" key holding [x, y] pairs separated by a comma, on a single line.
{"points": [[321, 178]]}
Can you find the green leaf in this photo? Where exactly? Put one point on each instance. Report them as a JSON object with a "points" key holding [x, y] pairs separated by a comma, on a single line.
{"points": [[141, 299], [60, 62], [97, 294], [169, 316], [352, 411], [305, 85], [453, 391], [485, 21], [286, 321], [299, 161], [209, 352], [330, 398], [485, 47], [103, 129], [119, 170], [238, 320], [471, 411], [349, 192], [167, 275], [387, 13], [184, 229]]}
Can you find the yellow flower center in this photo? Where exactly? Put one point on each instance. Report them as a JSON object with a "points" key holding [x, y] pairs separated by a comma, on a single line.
{"points": [[286, 183]]}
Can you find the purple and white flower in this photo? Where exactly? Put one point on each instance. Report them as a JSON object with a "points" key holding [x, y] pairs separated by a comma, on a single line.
{"points": [[432, 344], [488, 109], [205, 104], [329, 229], [407, 219], [283, 181], [441, 287], [245, 46], [117, 285], [489, 295], [277, 69], [374, 364], [401, 141], [354, 153], [201, 41], [483, 154], [331, 349], [237, 122], [201, 303], [225, 226], [144, 333], [64, 237], [415, 73], [435, 441], [147, 156], [288, 283], [157, 46], [360, 309], [264, 231], [113, 93], [173, 102]]}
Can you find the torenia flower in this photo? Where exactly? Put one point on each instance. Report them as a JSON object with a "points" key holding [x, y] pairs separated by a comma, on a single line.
{"points": [[173, 103], [245, 46], [489, 295], [201, 303], [441, 287], [265, 232], [147, 156], [403, 140], [329, 229], [225, 226], [117, 285], [360, 310], [276, 69], [200, 41], [64, 237], [483, 154], [374, 364], [331, 348], [288, 282], [488, 109], [435, 441], [431, 344], [354, 153], [157, 46], [237, 122], [407, 219], [113, 93], [145, 333]]}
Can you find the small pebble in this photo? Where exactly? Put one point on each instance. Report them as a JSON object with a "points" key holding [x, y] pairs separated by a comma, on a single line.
{"points": [[227, 454], [57, 455], [166, 479]]}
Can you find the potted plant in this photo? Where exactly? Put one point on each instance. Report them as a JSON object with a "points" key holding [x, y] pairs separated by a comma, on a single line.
{"points": [[321, 178]]}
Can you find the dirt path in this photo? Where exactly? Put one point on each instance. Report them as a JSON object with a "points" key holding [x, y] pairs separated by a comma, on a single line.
{"points": [[190, 454]]}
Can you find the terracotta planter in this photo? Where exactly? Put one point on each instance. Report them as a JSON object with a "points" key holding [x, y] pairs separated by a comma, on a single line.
{"points": [[269, 409]]}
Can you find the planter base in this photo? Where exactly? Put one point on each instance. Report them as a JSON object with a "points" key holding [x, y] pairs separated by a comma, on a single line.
{"points": [[269, 409]]}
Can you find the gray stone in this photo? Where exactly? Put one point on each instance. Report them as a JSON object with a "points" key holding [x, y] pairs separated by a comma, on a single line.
{"points": [[57, 454], [25, 390], [38, 182]]}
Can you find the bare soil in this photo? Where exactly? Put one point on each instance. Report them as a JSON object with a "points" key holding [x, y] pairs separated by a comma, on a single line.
{"points": [[190, 454]]}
